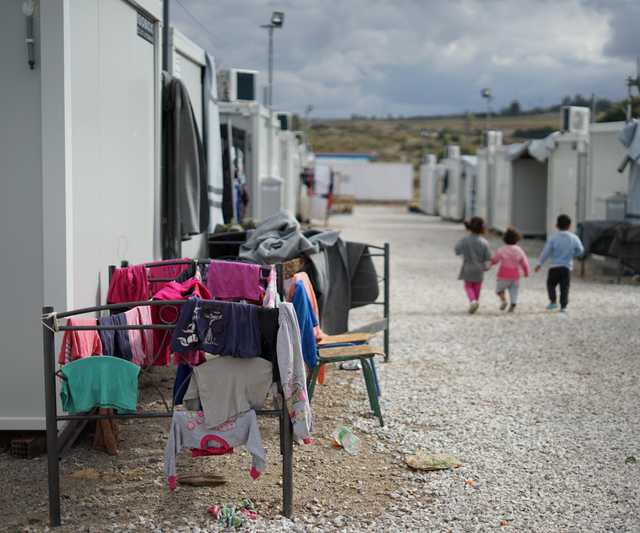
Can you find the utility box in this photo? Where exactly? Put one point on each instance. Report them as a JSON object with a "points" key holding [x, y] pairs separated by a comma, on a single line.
{"points": [[271, 189], [617, 207]]}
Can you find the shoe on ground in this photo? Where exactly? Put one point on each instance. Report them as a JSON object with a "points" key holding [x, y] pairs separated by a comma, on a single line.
{"points": [[503, 306], [512, 308], [552, 306], [473, 307], [564, 311]]}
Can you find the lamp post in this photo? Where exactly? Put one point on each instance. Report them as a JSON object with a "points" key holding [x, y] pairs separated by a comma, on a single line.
{"points": [[486, 94], [277, 20]]}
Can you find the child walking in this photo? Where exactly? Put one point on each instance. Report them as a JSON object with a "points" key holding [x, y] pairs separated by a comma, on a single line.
{"points": [[512, 261], [476, 255], [560, 249]]}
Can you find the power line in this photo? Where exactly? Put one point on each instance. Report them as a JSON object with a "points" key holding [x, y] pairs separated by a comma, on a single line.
{"points": [[197, 22]]}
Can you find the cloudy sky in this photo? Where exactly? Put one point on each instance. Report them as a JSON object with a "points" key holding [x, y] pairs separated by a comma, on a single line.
{"points": [[408, 57]]}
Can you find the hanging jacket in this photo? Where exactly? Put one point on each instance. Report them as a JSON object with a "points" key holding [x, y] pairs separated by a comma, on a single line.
{"points": [[185, 204]]}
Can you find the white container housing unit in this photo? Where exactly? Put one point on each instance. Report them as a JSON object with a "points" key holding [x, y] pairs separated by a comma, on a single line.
{"points": [[485, 177], [373, 181], [470, 179], [520, 194], [454, 189], [80, 152], [248, 124], [429, 185]]}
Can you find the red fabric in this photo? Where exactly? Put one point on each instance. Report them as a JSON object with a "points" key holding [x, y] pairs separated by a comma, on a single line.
{"points": [[79, 344], [128, 284], [206, 450], [512, 261], [158, 270], [168, 314]]}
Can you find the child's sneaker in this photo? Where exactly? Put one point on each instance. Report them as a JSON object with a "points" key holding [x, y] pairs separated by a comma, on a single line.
{"points": [[503, 306], [552, 306], [473, 307], [512, 308]]}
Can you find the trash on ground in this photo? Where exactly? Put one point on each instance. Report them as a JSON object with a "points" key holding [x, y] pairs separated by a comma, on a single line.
{"points": [[344, 438], [432, 461], [230, 516], [473, 483], [201, 480], [350, 365], [631, 460]]}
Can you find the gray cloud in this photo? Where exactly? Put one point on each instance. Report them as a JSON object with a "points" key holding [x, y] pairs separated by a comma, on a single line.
{"points": [[419, 57]]}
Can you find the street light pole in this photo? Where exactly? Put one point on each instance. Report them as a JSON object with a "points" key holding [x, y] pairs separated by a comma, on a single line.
{"points": [[277, 20], [270, 103]]}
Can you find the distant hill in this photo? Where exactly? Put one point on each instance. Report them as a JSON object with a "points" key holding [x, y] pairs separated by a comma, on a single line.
{"points": [[408, 139]]}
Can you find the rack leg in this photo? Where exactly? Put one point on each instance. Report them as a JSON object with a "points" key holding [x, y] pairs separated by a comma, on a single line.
{"points": [[387, 281], [286, 439], [53, 471]]}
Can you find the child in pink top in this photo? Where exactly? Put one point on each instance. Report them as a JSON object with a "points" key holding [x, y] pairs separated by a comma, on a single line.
{"points": [[513, 261]]}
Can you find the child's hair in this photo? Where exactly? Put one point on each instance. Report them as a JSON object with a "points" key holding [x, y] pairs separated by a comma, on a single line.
{"points": [[475, 225], [511, 236], [563, 222]]}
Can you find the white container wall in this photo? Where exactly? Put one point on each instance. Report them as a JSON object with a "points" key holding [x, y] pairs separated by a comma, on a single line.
{"points": [[188, 65], [374, 181], [429, 186], [470, 181], [484, 176], [606, 153], [291, 166], [454, 190], [79, 144], [566, 169], [253, 119]]}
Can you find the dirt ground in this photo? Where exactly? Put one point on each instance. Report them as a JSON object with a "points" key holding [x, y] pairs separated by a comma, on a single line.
{"points": [[103, 491]]}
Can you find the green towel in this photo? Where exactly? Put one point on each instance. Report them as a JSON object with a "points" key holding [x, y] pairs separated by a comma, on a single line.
{"points": [[99, 381]]}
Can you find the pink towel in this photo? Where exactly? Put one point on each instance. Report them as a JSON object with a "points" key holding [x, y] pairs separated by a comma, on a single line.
{"points": [[79, 344], [228, 280]]}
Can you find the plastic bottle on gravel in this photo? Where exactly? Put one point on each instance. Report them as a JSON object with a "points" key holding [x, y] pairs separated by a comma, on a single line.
{"points": [[345, 438]]}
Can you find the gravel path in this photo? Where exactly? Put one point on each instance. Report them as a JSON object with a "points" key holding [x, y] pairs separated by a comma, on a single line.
{"points": [[540, 409]]}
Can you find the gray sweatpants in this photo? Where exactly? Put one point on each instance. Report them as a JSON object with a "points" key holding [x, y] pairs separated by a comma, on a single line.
{"points": [[511, 285]]}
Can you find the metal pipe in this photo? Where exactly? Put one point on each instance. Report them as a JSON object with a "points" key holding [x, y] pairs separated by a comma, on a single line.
{"points": [[149, 414], [116, 327], [166, 22], [53, 472], [387, 278]]}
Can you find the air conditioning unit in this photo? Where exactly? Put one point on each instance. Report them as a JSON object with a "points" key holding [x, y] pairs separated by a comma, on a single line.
{"points": [[576, 120], [237, 85], [453, 151], [285, 121]]}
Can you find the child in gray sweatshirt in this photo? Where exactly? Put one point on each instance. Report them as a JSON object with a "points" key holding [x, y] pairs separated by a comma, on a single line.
{"points": [[476, 255]]}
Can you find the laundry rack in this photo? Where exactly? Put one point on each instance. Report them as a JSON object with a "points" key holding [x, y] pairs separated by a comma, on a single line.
{"points": [[50, 327], [383, 252]]}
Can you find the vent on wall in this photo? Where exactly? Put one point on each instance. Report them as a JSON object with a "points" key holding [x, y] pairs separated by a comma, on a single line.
{"points": [[285, 121], [575, 120]]}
